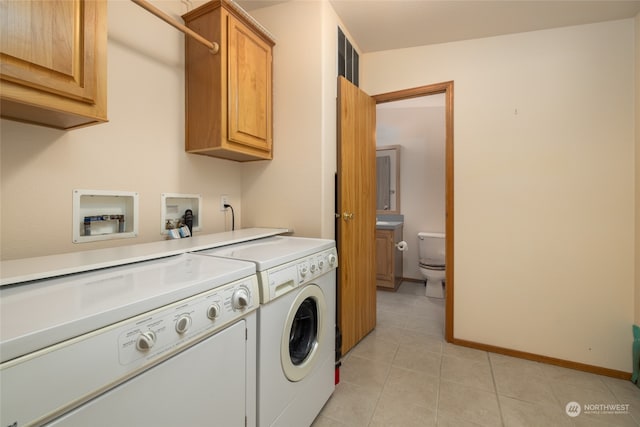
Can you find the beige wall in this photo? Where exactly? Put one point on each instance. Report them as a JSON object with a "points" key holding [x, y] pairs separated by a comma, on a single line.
{"points": [[544, 259], [637, 290], [420, 131], [296, 189], [285, 191], [544, 185], [140, 149], [330, 23]]}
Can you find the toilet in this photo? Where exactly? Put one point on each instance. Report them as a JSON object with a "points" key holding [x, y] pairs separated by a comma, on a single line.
{"points": [[431, 256]]}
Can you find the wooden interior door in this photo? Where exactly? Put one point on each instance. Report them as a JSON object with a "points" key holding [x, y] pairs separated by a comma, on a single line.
{"points": [[357, 209]]}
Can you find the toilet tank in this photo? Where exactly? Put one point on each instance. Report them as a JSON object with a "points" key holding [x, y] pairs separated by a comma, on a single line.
{"points": [[431, 248]]}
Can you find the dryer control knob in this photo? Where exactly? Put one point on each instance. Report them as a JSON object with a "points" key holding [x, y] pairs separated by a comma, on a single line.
{"points": [[183, 323], [213, 311], [146, 341], [240, 299]]}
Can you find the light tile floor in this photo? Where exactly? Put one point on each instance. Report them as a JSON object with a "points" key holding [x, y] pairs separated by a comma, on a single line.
{"points": [[404, 374]]}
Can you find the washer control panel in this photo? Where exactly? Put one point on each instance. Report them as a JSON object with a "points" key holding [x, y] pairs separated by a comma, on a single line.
{"points": [[289, 276], [180, 323]]}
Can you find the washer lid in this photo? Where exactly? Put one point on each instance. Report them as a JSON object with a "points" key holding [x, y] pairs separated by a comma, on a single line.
{"points": [[272, 251], [36, 314]]}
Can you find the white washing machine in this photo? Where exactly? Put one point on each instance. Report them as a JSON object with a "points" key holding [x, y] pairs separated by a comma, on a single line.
{"points": [[296, 325], [159, 343]]}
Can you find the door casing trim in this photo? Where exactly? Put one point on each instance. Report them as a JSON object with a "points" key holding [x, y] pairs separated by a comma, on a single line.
{"points": [[433, 89]]}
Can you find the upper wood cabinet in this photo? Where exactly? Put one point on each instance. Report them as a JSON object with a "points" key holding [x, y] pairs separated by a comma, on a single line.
{"points": [[228, 94], [53, 58]]}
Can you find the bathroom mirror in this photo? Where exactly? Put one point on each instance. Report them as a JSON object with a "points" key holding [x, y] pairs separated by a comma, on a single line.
{"points": [[388, 179]]}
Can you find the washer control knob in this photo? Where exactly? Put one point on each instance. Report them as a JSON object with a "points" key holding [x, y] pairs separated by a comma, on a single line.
{"points": [[213, 311], [320, 263], [183, 323], [304, 270], [240, 299], [332, 259], [146, 341]]}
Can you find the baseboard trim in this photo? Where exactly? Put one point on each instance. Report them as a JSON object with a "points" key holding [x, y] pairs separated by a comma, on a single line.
{"points": [[545, 359], [409, 279]]}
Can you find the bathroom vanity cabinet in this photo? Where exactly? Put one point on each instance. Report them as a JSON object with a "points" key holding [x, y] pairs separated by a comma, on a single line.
{"points": [[388, 258], [229, 93]]}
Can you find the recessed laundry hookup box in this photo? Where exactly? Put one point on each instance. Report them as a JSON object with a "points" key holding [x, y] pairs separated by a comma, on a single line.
{"points": [[104, 215], [173, 207]]}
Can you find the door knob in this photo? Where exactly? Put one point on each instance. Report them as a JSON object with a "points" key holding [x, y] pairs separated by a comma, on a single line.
{"points": [[347, 216]]}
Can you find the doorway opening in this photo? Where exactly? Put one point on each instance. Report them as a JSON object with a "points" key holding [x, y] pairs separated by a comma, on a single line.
{"points": [[445, 88]]}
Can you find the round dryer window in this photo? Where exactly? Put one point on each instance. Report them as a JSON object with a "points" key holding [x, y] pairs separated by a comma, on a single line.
{"points": [[303, 333]]}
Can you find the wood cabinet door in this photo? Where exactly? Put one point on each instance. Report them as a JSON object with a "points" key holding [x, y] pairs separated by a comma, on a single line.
{"points": [[250, 85], [384, 260], [396, 254], [51, 46]]}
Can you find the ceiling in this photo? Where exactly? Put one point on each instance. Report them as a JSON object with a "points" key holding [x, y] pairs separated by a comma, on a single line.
{"points": [[377, 25]]}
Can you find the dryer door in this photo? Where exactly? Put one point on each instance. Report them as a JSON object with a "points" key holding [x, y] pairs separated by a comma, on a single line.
{"points": [[303, 333]]}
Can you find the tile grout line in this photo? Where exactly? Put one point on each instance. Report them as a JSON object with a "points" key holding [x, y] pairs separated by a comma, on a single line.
{"points": [[405, 327], [619, 400], [554, 393], [386, 378], [495, 388], [439, 384]]}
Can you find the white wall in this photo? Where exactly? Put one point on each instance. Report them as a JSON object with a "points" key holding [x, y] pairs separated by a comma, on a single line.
{"points": [[140, 149], [544, 185], [420, 131]]}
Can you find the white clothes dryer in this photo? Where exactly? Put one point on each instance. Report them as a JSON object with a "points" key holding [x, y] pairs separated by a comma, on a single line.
{"points": [[165, 342], [296, 325]]}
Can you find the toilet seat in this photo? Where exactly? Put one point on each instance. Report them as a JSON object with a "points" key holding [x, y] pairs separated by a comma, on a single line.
{"points": [[438, 267]]}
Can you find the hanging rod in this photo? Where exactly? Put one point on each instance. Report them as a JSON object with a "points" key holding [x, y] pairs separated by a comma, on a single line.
{"points": [[213, 46]]}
